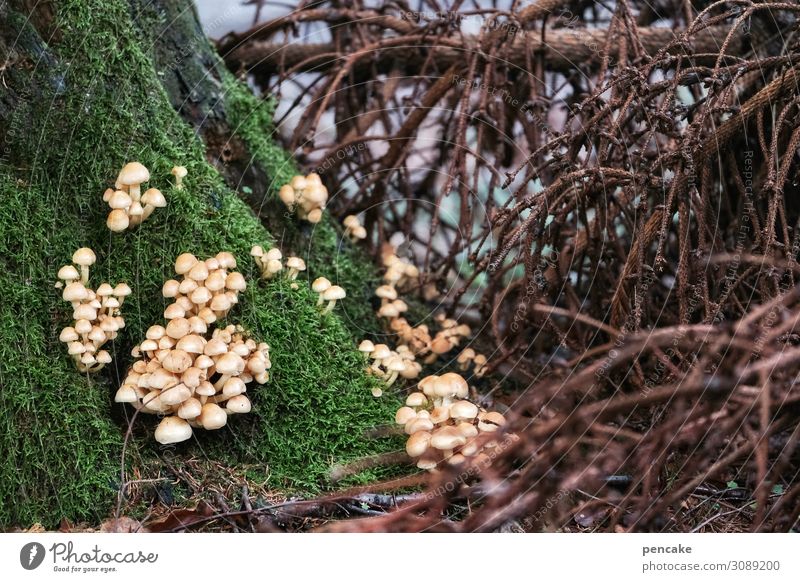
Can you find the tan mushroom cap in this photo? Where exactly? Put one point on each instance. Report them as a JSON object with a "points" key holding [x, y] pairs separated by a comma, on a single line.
{"points": [[418, 443], [404, 414], [296, 263], [84, 257], [235, 282], [381, 352], [119, 200], [239, 404], [68, 273], [190, 409], [184, 263], [416, 399], [212, 417], [179, 171], [320, 285], [175, 395], [447, 438], [230, 363], [463, 410], [68, 334], [173, 430], [133, 174], [490, 421], [334, 293], [366, 347], [154, 197], [126, 394], [386, 292], [74, 292], [177, 361]]}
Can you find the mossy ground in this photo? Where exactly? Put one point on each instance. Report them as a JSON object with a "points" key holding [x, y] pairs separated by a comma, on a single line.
{"points": [[61, 434]]}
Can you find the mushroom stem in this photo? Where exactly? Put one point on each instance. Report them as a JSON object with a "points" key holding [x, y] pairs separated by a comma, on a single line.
{"points": [[330, 306], [221, 382], [391, 379], [292, 274], [84, 274], [320, 300]]}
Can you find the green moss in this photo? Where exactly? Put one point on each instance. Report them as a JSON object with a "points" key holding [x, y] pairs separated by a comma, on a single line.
{"points": [[61, 434]]}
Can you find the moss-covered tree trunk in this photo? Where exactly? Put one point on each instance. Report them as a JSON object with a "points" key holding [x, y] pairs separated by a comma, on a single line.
{"points": [[86, 86]]}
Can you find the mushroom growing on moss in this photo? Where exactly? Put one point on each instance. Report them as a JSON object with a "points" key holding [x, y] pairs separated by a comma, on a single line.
{"points": [[128, 206], [332, 295], [96, 314], [295, 265], [180, 173]]}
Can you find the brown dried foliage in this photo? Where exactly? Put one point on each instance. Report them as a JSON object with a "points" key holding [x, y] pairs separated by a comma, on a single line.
{"points": [[626, 211]]}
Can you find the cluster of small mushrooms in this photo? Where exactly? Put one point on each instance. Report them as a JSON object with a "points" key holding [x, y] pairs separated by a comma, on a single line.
{"points": [[129, 207], [305, 195], [270, 263], [444, 426], [196, 379], [96, 313], [353, 228]]}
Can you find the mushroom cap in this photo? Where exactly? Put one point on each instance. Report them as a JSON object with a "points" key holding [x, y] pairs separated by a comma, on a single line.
{"points": [[296, 263], [440, 414], [68, 273], [388, 310], [84, 257], [74, 292], [184, 263], [366, 347], [440, 345], [467, 429], [360, 232], [256, 251], [198, 272], [320, 285], [234, 386], [126, 393], [68, 334], [298, 182], [452, 384], [104, 290], [133, 174], [221, 303], [386, 292], [191, 344], [178, 327], [490, 421], [119, 200], [175, 395], [314, 216], [122, 290], [118, 220], [416, 399], [154, 197], [84, 311], [212, 417], [177, 361], [420, 423], [173, 430], [463, 410], [381, 352], [179, 171], [230, 363], [83, 326], [174, 311], [76, 348], [203, 362], [239, 404], [287, 195], [215, 347], [447, 438], [418, 443], [274, 254], [201, 296], [170, 288], [395, 364], [334, 293], [205, 388], [190, 409], [235, 282], [351, 221], [404, 414], [136, 209]]}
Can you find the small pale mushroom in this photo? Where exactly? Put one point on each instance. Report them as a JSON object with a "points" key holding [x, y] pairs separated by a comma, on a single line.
{"points": [[68, 274], [319, 286], [173, 430], [394, 366], [180, 172], [133, 175], [152, 199], [287, 196], [85, 258], [212, 417], [295, 265], [332, 295]]}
